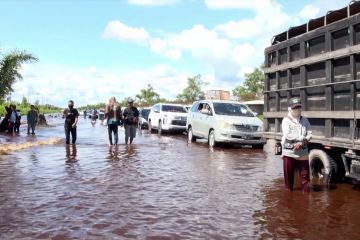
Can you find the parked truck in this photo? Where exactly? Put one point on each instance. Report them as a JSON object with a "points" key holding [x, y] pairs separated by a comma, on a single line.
{"points": [[319, 62]]}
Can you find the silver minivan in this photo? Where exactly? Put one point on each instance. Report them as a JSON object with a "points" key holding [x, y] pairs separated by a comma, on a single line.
{"points": [[221, 121]]}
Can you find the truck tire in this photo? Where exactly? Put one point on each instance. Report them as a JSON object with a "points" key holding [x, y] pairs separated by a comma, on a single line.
{"points": [[322, 166]]}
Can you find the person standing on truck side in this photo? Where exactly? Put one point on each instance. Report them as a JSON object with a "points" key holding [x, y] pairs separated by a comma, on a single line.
{"points": [[296, 135], [114, 117], [71, 116], [131, 119]]}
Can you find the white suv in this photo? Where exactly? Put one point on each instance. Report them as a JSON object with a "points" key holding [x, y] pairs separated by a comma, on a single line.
{"points": [[224, 121], [167, 117]]}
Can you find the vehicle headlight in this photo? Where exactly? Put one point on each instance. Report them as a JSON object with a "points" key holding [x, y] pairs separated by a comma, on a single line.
{"points": [[226, 125], [260, 128]]}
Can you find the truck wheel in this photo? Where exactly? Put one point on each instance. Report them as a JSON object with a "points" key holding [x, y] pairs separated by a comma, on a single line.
{"points": [[322, 166], [211, 139], [191, 136]]}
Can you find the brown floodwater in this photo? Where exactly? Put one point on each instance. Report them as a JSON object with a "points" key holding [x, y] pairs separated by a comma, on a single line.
{"points": [[159, 188]]}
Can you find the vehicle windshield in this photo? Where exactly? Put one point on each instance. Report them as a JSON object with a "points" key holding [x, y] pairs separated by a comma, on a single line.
{"points": [[170, 108], [145, 113], [232, 109]]}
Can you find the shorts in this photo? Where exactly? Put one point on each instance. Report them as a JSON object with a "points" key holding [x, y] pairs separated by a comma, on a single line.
{"points": [[130, 131]]}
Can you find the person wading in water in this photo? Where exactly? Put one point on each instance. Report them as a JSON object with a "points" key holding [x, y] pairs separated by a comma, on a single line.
{"points": [[114, 119], [296, 135], [71, 116], [131, 119], [32, 118], [12, 115]]}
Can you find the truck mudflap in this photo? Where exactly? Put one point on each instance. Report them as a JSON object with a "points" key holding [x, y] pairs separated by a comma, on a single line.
{"points": [[354, 170]]}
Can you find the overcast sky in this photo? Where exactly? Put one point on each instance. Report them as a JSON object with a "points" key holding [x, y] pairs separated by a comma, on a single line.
{"points": [[90, 50]]}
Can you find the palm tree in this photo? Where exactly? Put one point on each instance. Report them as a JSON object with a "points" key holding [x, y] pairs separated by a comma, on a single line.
{"points": [[148, 96], [9, 69]]}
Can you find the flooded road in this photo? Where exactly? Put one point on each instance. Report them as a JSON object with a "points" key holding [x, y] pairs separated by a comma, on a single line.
{"points": [[160, 188]]}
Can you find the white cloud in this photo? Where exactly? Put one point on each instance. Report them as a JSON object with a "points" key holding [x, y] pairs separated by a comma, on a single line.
{"points": [[309, 12], [198, 40], [317, 9], [56, 84], [224, 53], [269, 19], [209, 49], [235, 4], [120, 31], [153, 2]]}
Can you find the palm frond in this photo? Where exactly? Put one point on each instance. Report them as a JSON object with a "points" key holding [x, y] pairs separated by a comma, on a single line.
{"points": [[9, 69]]}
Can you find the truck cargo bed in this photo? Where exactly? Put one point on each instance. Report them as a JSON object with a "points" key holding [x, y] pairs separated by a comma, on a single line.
{"points": [[319, 62]]}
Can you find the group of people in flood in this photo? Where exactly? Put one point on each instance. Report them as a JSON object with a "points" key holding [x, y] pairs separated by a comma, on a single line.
{"points": [[295, 129], [114, 116], [12, 120]]}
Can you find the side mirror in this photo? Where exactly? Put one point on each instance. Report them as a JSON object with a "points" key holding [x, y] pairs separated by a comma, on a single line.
{"points": [[255, 114]]}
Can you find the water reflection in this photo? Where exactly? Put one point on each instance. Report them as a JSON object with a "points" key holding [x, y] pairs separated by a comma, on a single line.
{"points": [[114, 153], [161, 188], [121, 152], [71, 152], [322, 213]]}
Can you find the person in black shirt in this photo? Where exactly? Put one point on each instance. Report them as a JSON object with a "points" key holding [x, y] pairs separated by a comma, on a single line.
{"points": [[71, 116], [131, 119]]}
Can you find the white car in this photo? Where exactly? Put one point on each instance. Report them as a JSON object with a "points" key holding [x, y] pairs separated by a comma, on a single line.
{"points": [[143, 118], [221, 121], [167, 117]]}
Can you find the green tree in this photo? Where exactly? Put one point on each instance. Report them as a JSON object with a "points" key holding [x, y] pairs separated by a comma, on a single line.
{"points": [[193, 91], [252, 87], [9, 69], [148, 96], [92, 106], [24, 102]]}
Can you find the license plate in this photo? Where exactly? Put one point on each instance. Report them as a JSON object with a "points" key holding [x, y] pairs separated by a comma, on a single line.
{"points": [[355, 169], [355, 162], [248, 137]]}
